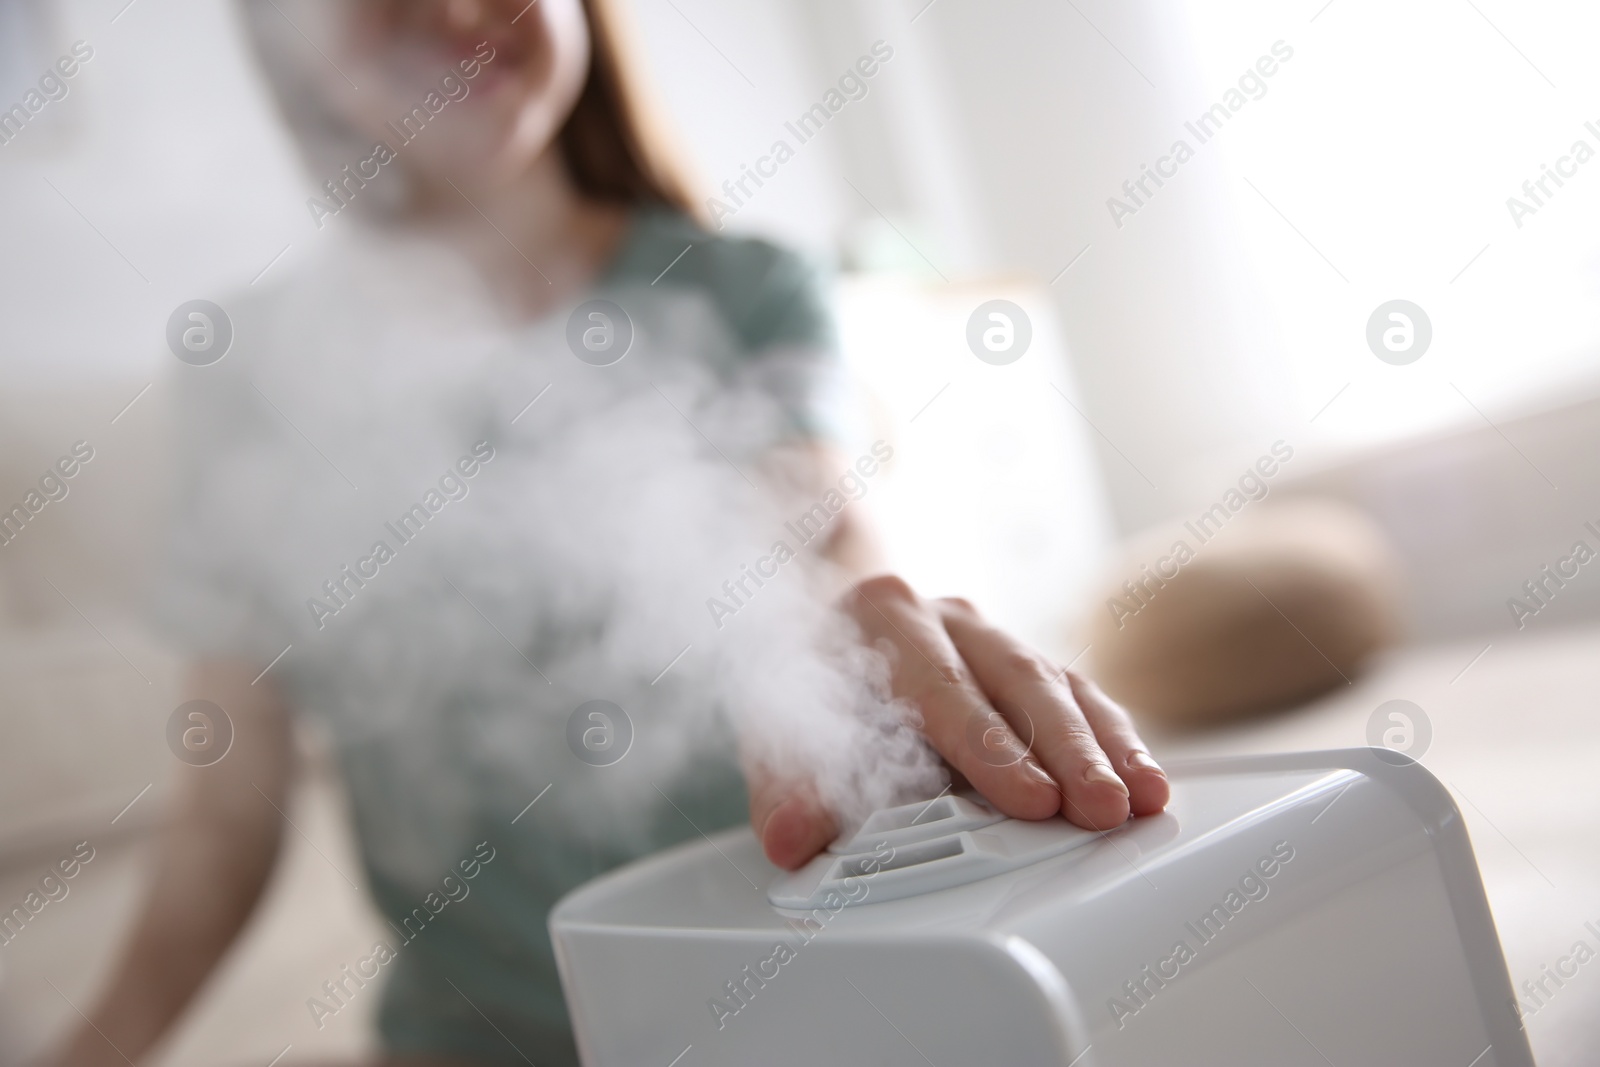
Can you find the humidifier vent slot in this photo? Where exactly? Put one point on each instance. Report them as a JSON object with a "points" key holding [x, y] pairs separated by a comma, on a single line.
{"points": [[905, 856], [924, 820], [911, 815]]}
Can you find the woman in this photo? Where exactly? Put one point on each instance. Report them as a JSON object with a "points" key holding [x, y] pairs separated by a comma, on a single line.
{"points": [[488, 170]]}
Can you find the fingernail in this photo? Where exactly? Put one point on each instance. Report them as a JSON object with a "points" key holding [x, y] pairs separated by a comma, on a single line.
{"points": [[1099, 773], [1145, 762]]}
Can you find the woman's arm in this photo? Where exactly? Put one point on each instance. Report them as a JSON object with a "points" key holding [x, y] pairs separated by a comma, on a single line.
{"points": [[215, 855], [1032, 737]]}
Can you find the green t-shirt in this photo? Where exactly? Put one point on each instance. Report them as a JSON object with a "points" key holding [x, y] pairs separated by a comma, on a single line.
{"points": [[274, 441]]}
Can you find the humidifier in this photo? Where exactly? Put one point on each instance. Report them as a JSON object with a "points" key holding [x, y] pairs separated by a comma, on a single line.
{"points": [[1317, 909]]}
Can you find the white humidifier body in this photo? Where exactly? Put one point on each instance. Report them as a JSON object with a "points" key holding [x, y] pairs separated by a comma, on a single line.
{"points": [[1302, 909]]}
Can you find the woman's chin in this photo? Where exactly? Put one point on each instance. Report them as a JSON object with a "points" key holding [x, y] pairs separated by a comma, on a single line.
{"points": [[492, 80], [472, 174]]}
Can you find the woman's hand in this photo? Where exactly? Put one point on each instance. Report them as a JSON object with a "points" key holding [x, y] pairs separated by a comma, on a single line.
{"points": [[1034, 739]]}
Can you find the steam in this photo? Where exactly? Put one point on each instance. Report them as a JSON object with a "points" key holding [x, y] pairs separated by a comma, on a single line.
{"points": [[576, 567]]}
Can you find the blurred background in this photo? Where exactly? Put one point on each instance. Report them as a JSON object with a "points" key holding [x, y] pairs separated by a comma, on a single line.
{"points": [[1179, 331]]}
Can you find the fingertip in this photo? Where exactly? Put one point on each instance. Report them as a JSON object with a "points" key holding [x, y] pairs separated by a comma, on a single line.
{"points": [[1148, 788], [1101, 801], [795, 831], [1149, 793], [1101, 817]]}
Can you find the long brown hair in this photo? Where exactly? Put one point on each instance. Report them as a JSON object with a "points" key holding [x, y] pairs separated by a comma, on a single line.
{"points": [[614, 144]]}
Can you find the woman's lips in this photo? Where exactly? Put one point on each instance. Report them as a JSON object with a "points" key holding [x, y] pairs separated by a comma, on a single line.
{"points": [[507, 45], [411, 68]]}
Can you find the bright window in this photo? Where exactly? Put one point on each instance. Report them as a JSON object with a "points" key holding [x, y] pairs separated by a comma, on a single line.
{"points": [[1391, 142]]}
